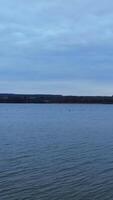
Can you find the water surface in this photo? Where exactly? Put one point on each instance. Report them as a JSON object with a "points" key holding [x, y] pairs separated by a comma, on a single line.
{"points": [[56, 152]]}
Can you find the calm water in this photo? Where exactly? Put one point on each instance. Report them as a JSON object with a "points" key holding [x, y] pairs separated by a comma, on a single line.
{"points": [[56, 152]]}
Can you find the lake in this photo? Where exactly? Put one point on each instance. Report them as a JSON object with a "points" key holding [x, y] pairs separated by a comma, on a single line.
{"points": [[56, 152]]}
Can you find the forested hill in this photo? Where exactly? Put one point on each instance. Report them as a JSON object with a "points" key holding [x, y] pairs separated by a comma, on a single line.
{"points": [[43, 98]]}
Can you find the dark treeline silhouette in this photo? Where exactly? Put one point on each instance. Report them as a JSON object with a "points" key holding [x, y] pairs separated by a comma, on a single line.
{"points": [[41, 98]]}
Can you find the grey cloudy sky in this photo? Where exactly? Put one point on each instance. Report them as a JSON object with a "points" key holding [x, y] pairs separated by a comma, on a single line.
{"points": [[56, 46]]}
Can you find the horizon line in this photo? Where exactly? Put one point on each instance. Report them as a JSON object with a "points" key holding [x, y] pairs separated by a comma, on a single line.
{"points": [[51, 94]]}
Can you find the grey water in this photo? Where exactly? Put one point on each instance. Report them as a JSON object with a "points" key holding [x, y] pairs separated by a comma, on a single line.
{"points": [[56, 152]]}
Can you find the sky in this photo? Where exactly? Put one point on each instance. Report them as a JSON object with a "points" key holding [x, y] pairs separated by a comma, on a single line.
{"points": [[56, 47]]}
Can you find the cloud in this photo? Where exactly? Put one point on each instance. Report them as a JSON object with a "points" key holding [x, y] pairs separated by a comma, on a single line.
{"points": [[57, 87], [57, 41]]}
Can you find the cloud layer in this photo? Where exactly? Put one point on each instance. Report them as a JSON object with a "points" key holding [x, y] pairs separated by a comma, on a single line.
{"points": [[56, 46]]}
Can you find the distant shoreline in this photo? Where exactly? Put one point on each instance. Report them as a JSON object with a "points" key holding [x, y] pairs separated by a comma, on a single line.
{"points": [[50, 99]]}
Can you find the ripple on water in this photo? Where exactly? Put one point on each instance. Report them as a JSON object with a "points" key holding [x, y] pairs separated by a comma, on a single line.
{"points": [[48, 153]]}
